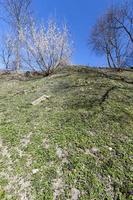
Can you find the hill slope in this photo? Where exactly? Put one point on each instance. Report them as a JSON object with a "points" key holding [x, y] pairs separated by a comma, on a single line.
{"points": [[76, 144]]}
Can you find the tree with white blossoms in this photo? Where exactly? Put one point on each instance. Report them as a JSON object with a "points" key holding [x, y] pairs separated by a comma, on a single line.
{"points": [[47, 47]]}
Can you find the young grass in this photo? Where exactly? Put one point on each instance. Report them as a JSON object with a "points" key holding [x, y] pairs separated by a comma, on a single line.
{"points": [[75, 145]]}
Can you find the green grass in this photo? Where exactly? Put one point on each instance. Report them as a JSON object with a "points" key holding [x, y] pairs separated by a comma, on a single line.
{"points": [[80, 139]]}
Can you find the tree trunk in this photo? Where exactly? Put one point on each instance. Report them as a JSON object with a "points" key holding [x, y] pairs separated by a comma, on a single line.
{"points": [[108, 60], [114, 65], [18, 56]]}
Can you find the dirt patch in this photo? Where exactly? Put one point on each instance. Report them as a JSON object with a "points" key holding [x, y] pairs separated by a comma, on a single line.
{"points": [[58, 187], [19, 185], [62, 154], [58, 183], [46, 144], [75, 194]]}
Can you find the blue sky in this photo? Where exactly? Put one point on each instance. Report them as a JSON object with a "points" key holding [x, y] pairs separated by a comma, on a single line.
{"points": [[80, 15]]}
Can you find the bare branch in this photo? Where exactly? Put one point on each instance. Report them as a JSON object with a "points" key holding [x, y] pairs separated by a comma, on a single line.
{"points": [[16, 14]]}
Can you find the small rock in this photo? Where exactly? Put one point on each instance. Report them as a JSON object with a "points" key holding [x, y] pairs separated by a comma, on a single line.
{"points": [[46, 143], [110, 148], [90, 133], [94, 149], [59, 152], [35, 171]]}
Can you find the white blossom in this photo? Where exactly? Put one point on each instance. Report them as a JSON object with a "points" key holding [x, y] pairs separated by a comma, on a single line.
{"points": [[47, 46]]}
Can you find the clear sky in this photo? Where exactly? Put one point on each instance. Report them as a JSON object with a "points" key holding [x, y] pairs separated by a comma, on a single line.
{"points": [[80, 15]]}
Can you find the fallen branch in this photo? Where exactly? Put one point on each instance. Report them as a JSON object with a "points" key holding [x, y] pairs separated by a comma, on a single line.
{"points": [[39, 100]]}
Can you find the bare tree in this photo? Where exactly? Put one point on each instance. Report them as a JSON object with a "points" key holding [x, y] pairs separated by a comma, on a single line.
{"points": [[17, 16], [123, 16], [7, 52], [100, 40], [118, 41], [108, 36], [47, 47]]}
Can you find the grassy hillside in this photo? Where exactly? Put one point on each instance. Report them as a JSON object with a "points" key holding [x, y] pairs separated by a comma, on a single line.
{"points": [[76, 144]]}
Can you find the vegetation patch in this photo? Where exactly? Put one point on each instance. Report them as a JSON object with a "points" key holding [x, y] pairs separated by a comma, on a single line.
{"points": [[76, 145]]}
